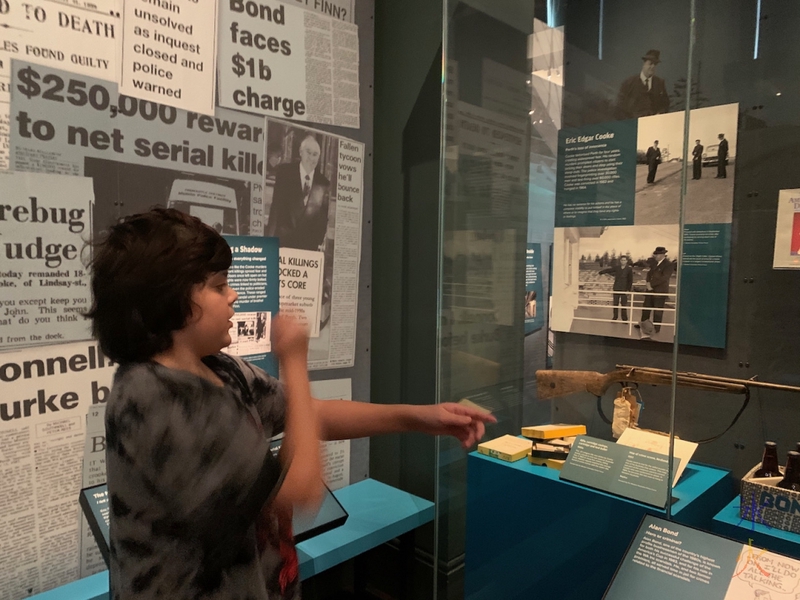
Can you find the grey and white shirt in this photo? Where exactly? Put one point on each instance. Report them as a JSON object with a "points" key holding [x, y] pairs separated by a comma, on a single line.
{"points": [[190, 478]]}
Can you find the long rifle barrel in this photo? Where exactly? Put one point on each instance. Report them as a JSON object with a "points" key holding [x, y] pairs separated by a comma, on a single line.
{"points": [[556, 384], [700, 377]]}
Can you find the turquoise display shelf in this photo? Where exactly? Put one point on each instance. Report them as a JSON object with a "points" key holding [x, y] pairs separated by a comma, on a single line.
{"points": [[378, 513], [531, 535], [728, 523]]}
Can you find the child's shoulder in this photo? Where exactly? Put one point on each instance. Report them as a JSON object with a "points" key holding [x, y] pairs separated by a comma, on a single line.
{"points": [[148, 382], [134, 374], [251, 372]]}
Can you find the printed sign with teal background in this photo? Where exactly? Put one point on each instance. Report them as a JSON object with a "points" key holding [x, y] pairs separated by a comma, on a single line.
{"points": [[596, 177], [667, 560], [621, 470], [705, 269], [535, 301], [254, 275]]}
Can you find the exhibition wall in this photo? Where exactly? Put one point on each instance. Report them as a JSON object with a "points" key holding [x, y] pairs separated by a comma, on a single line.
{"points": [[109, 108]]}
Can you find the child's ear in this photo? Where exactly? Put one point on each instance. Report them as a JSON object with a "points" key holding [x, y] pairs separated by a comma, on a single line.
{"points": [[196, 311], [195, 315]]}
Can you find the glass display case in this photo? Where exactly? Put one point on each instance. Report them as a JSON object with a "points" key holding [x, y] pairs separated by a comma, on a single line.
{"points": [[618, 245]]}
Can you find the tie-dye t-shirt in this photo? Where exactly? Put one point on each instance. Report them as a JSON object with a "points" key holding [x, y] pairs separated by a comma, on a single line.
{"points": [[191, 477]]}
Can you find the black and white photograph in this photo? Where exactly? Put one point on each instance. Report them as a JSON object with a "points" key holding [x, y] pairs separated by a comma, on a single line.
{"points": [[616, 281], [643, 93], [659, 163], [122, 189], [250, 334], [300, 198], [639, 76]]}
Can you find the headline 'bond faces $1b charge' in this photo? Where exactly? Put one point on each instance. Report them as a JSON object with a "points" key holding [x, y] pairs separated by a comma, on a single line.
{"points": [[258, 69]]}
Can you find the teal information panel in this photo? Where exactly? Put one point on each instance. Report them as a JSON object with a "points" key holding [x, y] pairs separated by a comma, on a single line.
{"points": [[596, 175], [668, 560], [535, 301], [704, 284], [624, 190], [254, 275], [621, 470], [95, 506]]}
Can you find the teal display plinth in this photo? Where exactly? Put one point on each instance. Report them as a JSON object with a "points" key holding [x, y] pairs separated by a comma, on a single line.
{"points": [[728, 523], [531, 535], [378, 513]]}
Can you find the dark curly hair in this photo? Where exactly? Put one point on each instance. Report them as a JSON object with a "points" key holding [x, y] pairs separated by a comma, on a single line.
{"points": [[143, 272]]}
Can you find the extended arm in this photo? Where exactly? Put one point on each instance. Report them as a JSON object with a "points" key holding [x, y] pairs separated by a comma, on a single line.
{"points": [[342, 419]]}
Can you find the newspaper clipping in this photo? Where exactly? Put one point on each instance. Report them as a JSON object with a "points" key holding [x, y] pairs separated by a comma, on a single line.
{"points": [[338, 9], [82, 37], [139, 153], [285, 61], [301, 286], [94, 473], [313, 195], [43, 222], [169, 51], [45, 395]]}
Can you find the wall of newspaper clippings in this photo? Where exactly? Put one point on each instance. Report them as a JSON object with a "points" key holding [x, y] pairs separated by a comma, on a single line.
{"points": [[109, 107]]}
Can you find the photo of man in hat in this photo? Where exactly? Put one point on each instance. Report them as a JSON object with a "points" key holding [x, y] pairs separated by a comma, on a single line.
{"points": [[697, 160], [643, 94], [658, 278], [722, 157], [653, 158], [623, 283]]}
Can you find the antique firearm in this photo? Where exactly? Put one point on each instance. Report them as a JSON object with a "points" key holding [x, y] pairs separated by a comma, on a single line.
{"points": [[555, 384]]}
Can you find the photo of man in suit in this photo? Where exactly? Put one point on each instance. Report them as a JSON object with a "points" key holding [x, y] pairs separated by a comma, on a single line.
{"points": [[644, 94], [623, 282], [697, 160], [299, 211], [658, 278], [653, 158], [722, 157]]}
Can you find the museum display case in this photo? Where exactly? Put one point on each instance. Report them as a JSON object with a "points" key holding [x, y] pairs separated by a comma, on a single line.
{"points": [[617, 252]]}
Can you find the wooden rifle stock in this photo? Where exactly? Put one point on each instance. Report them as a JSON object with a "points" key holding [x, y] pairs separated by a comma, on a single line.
{"points": [[555, 384]]}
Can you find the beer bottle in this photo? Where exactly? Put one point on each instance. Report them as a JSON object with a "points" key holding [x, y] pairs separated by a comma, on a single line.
{"points": [[769, 462], [791, 480]]}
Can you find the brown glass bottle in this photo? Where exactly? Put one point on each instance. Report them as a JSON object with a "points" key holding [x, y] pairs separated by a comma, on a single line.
{"points": [[791, 481], [769, 462]]}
